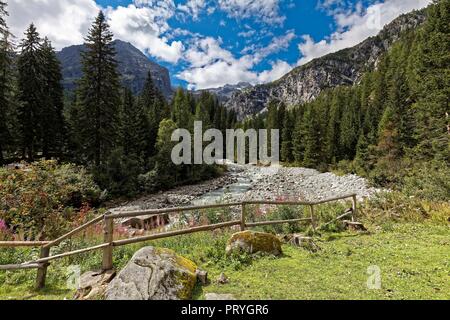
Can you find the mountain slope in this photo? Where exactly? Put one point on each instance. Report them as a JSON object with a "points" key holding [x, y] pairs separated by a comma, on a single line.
{"points": [[133, 65], [345, 67], [226, 92]]}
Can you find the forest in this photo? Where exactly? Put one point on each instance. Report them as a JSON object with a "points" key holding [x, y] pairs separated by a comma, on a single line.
{"points": [[392, 127], [124, 140]]}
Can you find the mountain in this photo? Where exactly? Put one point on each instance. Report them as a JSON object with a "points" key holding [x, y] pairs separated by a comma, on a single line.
{"points": [[133, 65], [226, 92], [345, 67]]}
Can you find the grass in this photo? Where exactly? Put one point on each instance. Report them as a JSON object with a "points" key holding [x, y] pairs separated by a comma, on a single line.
{"points": [[414, 262], [414, 259]]}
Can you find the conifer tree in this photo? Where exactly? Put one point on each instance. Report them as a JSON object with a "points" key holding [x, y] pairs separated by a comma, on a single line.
{"points": [[348, 135], [134, 127], [52, 119], [98, 94], [31, 92], [286, 135], [432, 67], [311, 136], [6, 113], [182, 114], [298, 142], [154, 105]]}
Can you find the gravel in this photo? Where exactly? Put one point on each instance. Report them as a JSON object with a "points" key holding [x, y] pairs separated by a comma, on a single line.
{"points": [[304, 184], [264, 183]]}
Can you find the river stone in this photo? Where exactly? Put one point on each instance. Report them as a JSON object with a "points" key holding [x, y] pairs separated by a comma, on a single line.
{"points": [[154, 274], [253, 242]]}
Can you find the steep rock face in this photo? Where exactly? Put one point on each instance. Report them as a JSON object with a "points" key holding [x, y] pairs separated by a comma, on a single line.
{"points": [[345, 67], [133, 66], [226, 92]]}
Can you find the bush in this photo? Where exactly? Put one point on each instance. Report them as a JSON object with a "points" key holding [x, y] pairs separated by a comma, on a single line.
{"points": [[119, 175], [40, 199], [428, 181], [398, 207], [284, 213]]}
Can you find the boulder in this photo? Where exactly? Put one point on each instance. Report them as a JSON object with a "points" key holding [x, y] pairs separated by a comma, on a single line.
{"points": [[223, 279], [93, 284], [202, 277], [306, 243], [154, 274], [253, 242], [354, 226]]}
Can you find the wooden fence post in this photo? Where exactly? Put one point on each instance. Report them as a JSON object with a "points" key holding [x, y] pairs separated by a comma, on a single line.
{"points": [[243, 227], [42, 270], [108, 237], [313, 218], [354, 208]]}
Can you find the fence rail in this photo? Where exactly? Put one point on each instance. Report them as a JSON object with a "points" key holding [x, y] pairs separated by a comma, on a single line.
{"points": [[108, 230]]}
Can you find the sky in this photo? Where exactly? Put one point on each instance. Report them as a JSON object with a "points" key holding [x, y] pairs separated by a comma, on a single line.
{"points": [[207, 44]]}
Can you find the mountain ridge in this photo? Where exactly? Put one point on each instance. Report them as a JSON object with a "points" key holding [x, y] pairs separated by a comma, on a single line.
{"points": [[345, 67], [133, 66]]}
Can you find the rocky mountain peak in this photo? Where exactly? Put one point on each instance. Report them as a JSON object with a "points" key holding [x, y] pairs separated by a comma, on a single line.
{"points": [[345, 67], [133, 66]]}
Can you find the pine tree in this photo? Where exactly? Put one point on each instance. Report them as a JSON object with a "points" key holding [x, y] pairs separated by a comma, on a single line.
{"points": [[154, 105], [298, 142], [31, 92], [286, 136], [182, 114], [376, 105], [52, 119], [350, 126], [98, 94], [332, 145], [311, 135], [432, 63], [134, 127], [167, 173], [6, 113]]}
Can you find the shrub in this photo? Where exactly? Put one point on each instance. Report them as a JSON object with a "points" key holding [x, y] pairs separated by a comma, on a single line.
{"points": [[428, 181], [40, 199], [397, 206], [284, 213]]}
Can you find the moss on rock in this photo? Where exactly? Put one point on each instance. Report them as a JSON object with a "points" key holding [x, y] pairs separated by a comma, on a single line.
{"points": [[154, 274], [253, 242]]}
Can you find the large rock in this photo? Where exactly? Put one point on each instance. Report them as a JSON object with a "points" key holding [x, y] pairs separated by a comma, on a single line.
{"points": [[253, 242], [154, 274], [93, 284]]}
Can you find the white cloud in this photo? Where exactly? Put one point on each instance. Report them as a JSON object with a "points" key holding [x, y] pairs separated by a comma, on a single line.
{"points": [[247, 34], [211, 66], [279, 69], [266, 11], [192, 7], [144, 26], [65, 22], [356, 26]]}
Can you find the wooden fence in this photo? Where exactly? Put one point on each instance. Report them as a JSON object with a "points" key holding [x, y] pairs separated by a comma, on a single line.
{"points": [[109, 243]]}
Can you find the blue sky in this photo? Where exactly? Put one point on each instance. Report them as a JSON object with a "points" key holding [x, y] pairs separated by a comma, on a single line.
{"points": [[207, 43]]}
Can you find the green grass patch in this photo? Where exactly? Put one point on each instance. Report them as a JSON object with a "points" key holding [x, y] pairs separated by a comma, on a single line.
{"points": [[414, 260]]}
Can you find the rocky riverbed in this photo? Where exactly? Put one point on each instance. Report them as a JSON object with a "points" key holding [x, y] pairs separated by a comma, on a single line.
{"points": [[304, 184], [257, 183]]}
